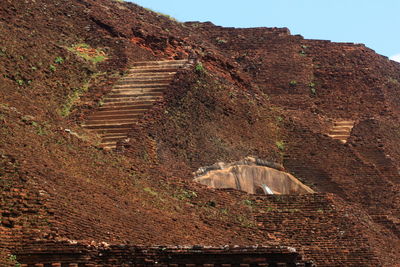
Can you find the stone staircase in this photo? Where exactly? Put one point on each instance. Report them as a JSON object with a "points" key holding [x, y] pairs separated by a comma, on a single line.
{"points": [[130, 98], [341, 130]]}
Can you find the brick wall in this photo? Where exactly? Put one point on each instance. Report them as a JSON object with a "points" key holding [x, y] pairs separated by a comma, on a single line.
{"points": [[349, 79], [62, 254], [24, 214], [317, 226]]}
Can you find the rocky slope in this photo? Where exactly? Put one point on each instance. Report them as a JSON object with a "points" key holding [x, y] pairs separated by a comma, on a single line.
{"points": [[260, 92]]}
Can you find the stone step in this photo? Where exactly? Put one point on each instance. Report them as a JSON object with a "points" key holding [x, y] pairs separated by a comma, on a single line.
{"points": [[122, 104], [159, 62], [138, 89], [132, 98], [108, 121], [114, 117], [342, 126], [347, 131], [140, 103], [151, 70], [122, 110], [341, 130], [108, 144], [135, 94], [161, 69], [108, 135], [337, 136], [344, 123], [129, 101], [122, 90], [109, 147], [167, 65], [112, 139], [111, 131], [118, 112], [150, 75], [140, 86], [334, 131], [144, 81], [108, 125]]}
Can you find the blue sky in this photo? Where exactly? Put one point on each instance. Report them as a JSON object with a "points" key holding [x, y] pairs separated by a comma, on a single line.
{"points": [[375, 23]]}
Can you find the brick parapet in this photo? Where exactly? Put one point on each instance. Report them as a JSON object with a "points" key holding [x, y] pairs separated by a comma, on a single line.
{"points": [[67, 254]]}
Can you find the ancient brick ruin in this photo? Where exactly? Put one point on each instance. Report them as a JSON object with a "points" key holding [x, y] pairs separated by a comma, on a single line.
{"points": [[63, 254], [330, 109], [311, 229]]}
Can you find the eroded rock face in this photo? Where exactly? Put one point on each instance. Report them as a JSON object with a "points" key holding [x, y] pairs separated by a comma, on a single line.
{"points": [[253, 179]]}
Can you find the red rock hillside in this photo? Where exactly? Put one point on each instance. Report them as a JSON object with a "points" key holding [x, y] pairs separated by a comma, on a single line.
{"points": [[328, 112]]}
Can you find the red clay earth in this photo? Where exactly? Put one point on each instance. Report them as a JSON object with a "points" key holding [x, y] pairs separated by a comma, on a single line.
{"points": [[263, 92]]}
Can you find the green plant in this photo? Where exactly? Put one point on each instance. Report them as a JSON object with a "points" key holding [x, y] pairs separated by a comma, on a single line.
{"points": [[52, 68], [313, 90], [72, 98], [280, 145], [59, 60], [13, 260], [248, 202], [4, 106], [13, 257], [293, 83], [40, 130], [224, 211], [269, 209], [20, 82], [101, 103], [220, 40], [88, 53], [98, 59], [303, 52], [162, 14], [245, 222], [29, 120], [150, 191], [199, 68], [232, 94], [279, 119], [293, 210], [184, 195], [392, 80], [75, 95], [3, 51]]}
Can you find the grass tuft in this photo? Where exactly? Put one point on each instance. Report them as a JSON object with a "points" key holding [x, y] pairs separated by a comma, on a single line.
{"points": [[94, 55]]}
